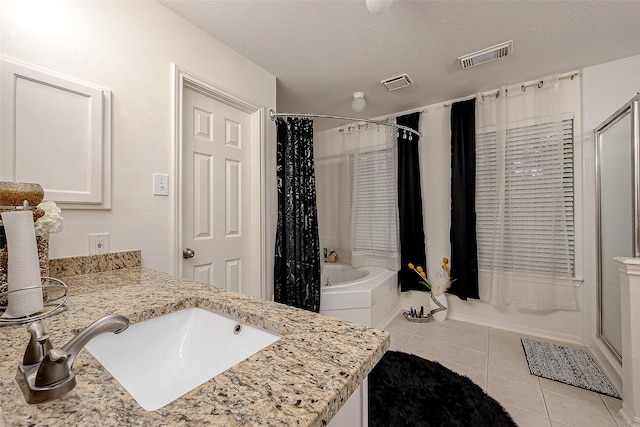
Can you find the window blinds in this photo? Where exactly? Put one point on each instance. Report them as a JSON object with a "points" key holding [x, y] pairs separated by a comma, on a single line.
{"points": [[537, 232], [375, 218]]}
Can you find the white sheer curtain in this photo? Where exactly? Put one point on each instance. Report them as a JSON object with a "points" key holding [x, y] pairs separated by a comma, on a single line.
{"points": [[526, 234], [371, 165]]}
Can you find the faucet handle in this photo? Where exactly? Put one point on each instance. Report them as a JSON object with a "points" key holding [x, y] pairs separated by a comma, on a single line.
{"points": [[54, 367], [39, 344]]}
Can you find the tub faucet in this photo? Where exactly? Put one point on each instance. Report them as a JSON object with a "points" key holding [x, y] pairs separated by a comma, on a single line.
{"points": [[45, 373]]}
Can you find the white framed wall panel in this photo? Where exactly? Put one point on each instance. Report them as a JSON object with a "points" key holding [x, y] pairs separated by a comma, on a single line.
{"points": [[55, 132]]}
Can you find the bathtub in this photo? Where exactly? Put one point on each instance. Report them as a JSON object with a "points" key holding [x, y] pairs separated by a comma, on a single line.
{"points": [[365, 295]]}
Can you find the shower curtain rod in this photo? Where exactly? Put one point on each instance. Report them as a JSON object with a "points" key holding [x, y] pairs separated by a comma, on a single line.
{"points": [[523, 87], [273, 115]]}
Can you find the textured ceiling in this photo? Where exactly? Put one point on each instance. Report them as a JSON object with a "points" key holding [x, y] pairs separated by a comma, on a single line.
{"points": [[323, 51]]}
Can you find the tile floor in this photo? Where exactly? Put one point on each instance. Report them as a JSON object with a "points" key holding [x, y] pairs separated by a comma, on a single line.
{"points": [[494, 359]]}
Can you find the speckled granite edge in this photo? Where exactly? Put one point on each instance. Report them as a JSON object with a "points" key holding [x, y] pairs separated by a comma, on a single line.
{"points": [[87, 264]]}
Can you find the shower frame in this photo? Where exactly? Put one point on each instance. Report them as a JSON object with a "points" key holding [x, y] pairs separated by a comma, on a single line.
{"points": [[632, 109]]}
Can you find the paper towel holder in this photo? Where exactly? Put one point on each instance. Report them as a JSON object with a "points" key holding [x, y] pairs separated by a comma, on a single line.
{"points": [[52, 306]]}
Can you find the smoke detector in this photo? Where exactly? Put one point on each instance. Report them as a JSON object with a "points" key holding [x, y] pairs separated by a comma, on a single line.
{"points": [[485, 55], [397, 82]]}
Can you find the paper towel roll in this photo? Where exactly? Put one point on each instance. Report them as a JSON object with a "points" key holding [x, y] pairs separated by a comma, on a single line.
{"points": [[23, 269]]}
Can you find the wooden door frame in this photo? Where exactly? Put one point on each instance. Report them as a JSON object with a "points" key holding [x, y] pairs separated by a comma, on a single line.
{"points": [[181, 79]]}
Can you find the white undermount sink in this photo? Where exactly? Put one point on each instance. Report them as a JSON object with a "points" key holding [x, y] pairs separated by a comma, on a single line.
{"points": [[160, 359]]}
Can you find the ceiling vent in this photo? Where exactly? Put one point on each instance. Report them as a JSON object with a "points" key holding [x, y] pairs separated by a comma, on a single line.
{"points": [[485, 55], [398, 82]]}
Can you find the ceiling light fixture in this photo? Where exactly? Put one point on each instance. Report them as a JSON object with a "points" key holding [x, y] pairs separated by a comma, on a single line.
{"points": [[358, 104], [378, 6]]}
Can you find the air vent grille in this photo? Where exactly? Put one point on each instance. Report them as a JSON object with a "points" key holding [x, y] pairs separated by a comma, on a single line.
{"points": [[485, 55], [398, 82]]}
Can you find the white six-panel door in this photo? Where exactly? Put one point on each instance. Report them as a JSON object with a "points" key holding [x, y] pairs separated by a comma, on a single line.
{"points": [[216, 191]]}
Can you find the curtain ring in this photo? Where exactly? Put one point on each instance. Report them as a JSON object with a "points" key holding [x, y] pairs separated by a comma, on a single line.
{"points": [[497, 94], [523, 87], [483, 97], [540, 84]]}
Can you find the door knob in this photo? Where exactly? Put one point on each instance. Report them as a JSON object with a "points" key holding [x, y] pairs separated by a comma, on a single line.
{"points": [[188, 253]]}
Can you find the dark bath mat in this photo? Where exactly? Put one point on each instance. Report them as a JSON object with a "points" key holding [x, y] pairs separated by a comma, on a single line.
{"points": [[407, 390], [566, 365]]}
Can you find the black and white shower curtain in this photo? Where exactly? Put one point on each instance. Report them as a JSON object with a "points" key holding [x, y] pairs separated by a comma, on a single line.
{"points": [[297, 252]]}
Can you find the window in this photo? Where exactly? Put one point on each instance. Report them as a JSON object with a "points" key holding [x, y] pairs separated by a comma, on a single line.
{"points": [[375, 217], [537, 199]]}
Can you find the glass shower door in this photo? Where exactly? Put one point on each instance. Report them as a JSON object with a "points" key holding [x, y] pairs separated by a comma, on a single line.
{"points": [[616, 151]]}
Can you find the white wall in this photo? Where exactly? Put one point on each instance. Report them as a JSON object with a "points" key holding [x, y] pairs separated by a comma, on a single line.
{"points": [[605, 88], [129, 47], [332, 225]]}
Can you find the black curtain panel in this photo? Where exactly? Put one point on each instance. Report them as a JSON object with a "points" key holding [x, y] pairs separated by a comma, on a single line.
{"points": [[464, 252], [297, 254], [412, 247]]}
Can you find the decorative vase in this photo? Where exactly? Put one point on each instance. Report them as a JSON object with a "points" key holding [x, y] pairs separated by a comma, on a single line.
{"points": [[43, 254], [43, 259], [3, 267], [438, 307]]}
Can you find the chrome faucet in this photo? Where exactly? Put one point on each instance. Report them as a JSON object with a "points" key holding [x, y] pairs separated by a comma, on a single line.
{"points": [[46, 372], [112, 323], [39, 345]]}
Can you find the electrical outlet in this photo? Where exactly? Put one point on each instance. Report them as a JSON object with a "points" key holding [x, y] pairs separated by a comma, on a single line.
{"points": [[98, 243], [160, 184]]}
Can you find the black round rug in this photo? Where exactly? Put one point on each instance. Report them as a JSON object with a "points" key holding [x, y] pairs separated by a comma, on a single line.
{"points": [[407, 390]]}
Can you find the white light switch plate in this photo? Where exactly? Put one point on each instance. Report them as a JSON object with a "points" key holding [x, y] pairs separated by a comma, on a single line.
{"points": [[160, 184]]}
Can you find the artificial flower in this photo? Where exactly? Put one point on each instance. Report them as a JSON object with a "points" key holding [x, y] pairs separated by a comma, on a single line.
{"points": [[420, 272], [51, 221], [440, 283]]}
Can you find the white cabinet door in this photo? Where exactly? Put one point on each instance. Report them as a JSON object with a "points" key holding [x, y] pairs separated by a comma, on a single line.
{"points": [[56, 131]]}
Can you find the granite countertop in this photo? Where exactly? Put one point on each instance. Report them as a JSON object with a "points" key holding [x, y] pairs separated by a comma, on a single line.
{"points": [[301, 380]]}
